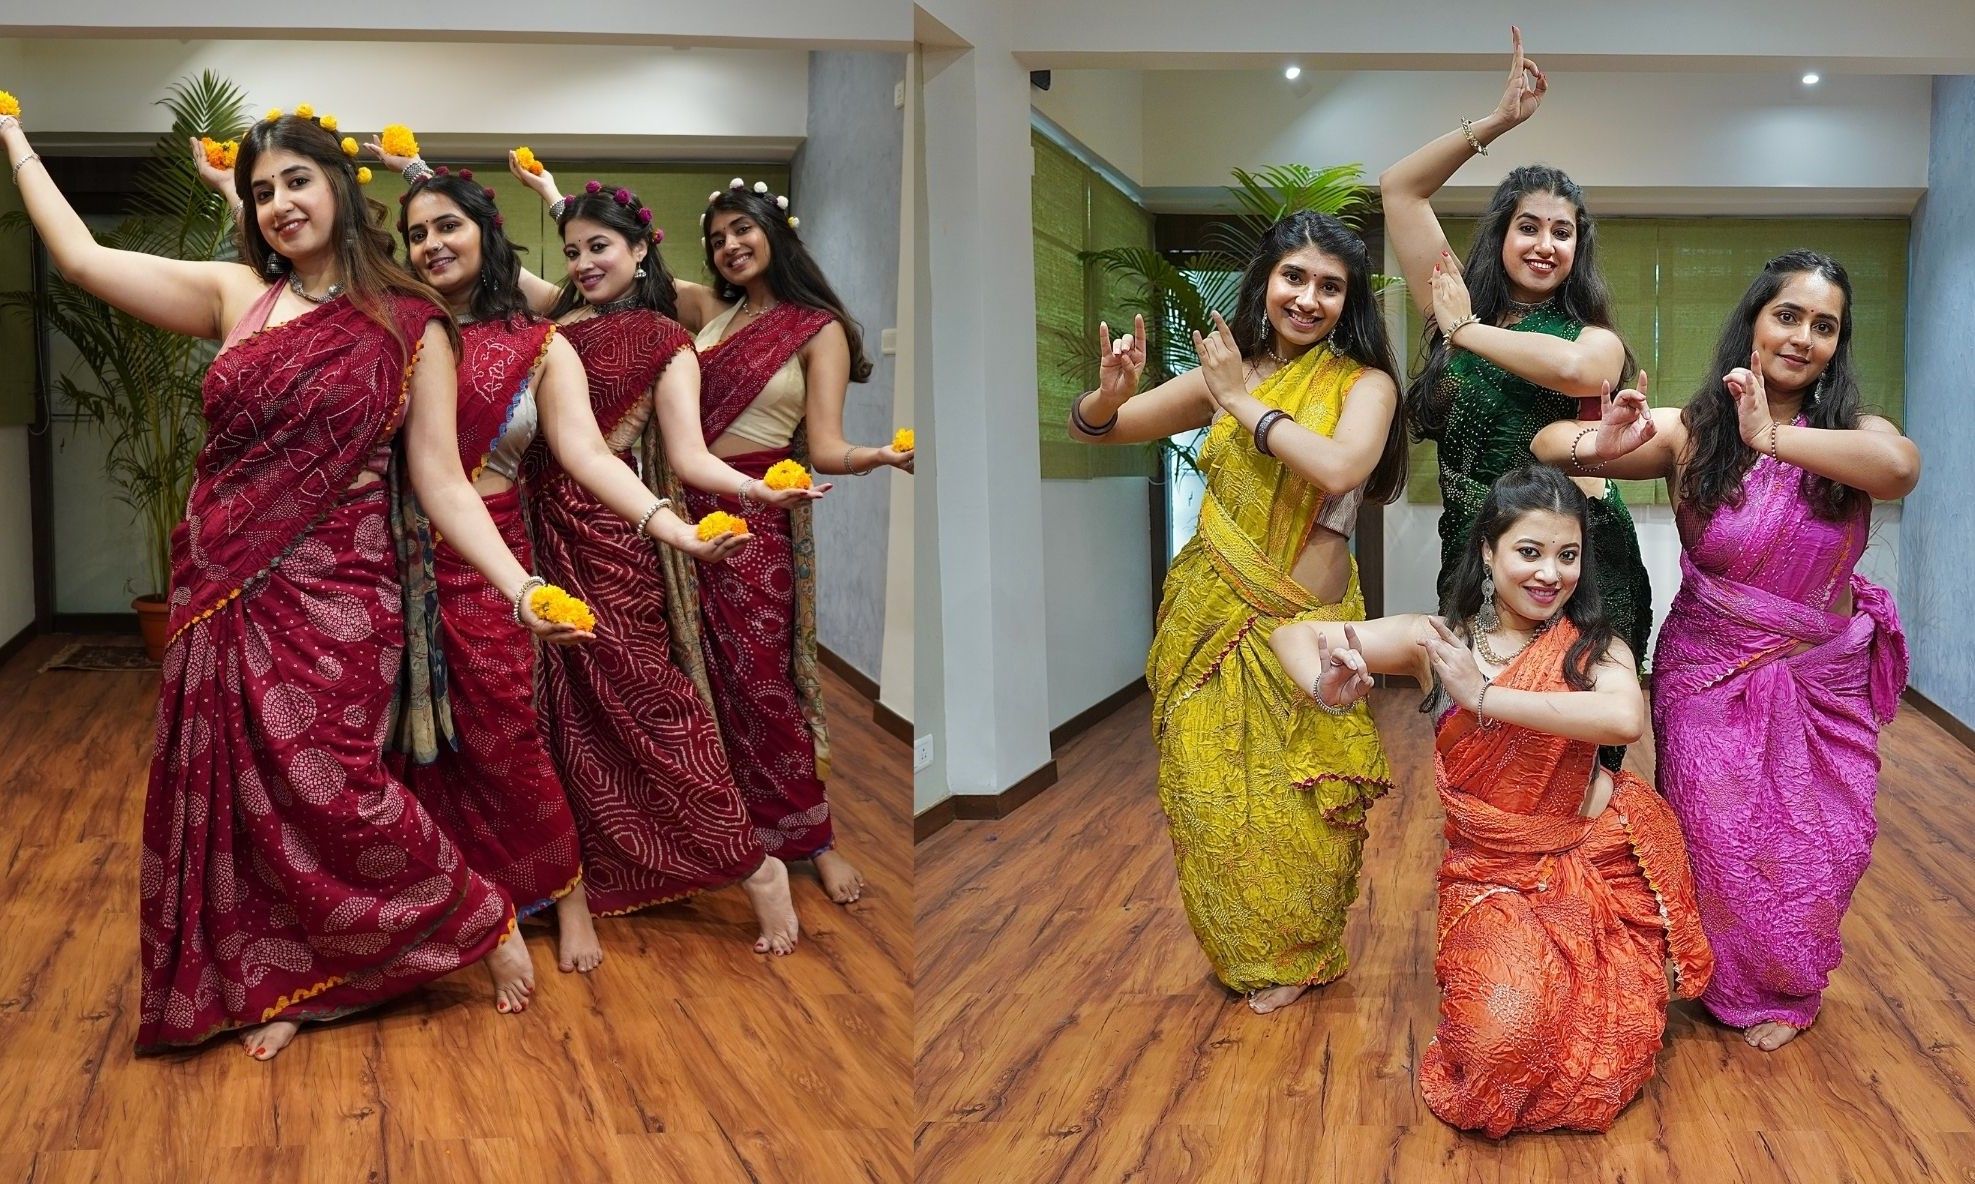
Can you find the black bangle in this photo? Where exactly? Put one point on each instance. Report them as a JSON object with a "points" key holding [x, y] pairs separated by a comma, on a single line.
{"points": [[1085, 426], [1262, 427]]}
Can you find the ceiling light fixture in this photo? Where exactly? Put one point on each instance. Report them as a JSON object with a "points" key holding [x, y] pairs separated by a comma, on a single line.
{"points": [[1293, 73], [1810, 79]]}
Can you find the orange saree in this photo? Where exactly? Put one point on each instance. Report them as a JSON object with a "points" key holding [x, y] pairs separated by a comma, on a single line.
{"points": [[1555, 930]]}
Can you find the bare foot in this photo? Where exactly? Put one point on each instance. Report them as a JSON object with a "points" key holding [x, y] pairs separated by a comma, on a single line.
{"points": [[513, 971], [264, 1042], [768, 891], [577, 947], [1771, 1035], [1275, 998], [841, 881]]}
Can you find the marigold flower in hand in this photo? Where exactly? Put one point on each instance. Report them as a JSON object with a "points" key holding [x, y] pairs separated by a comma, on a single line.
{"points": [[787, 474], [220, 155], [718, 523], [552, 604], [397, 140], [525, 157], [901, 440], [9, 105]]}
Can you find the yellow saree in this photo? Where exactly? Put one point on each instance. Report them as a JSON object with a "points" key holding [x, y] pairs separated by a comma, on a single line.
{"points": [[1265, 794]]}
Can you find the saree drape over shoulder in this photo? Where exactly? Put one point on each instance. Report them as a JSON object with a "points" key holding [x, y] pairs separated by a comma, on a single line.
{"points": [[631, 731], [494, 788], [286, 873], [1555, 930], [758, 608], [1265, 794], [1769, 757]]}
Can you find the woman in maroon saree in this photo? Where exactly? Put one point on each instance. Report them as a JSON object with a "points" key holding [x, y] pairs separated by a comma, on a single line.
{"points": [[495, 789], [286, 875]]}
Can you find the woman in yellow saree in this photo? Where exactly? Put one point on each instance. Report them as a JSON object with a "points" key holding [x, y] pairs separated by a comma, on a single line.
{"points": [[1264, 794]]}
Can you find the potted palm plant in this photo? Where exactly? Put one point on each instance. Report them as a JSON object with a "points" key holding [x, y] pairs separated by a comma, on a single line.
{"points": [[142, 383]]}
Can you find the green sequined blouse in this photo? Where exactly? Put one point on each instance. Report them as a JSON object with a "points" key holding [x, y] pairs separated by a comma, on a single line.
{"points": [[1492, 417]]}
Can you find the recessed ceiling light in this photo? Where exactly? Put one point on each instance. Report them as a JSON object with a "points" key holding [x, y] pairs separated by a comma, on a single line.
{"points": [[1810, 79], [1293, 73]]}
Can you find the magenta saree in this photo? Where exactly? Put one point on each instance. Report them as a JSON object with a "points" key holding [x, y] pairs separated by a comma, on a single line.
{"points": [[286, 874], [758, 608], [1770, 757], [494, 790]]}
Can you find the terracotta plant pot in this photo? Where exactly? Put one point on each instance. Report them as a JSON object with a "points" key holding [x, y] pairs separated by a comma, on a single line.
{"points": [[154, 621]]}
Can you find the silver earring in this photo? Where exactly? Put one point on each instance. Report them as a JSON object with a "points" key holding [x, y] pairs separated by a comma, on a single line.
{"points": [[640, 273], [1488, 618], [273, 266]]}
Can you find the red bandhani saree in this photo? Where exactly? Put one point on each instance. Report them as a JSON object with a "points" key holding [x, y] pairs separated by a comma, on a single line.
{"points": [[495, 791], [286, 874], [1555, 930], [656, 808], [758, 608]]}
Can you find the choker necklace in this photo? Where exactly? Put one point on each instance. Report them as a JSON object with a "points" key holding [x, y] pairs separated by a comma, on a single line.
{"points": [[617, 305], [295, 286], [1521, 308]]}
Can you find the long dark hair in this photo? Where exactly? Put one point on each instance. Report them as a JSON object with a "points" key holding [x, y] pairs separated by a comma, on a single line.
{"points": [[792, 272], [620, 211], [1717, 458], [1359, 333], [1516, 493], [1583, 296], [497, 290], [362, 245]]}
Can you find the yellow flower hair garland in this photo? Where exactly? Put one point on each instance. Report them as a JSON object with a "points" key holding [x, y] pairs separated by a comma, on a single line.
{"points": [[787, 474], [718, 523]]}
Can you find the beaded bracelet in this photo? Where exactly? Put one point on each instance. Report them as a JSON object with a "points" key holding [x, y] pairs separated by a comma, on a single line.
{"points": [[1317, 693], [652, 513], [417, 171], [1480, 699], [1772, 443], [556, 208], [521, 594], [1262, 427], [1577, 464]]}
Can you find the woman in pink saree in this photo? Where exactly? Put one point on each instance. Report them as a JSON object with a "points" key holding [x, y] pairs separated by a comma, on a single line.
{"points": [[1778, 663], [286, 874]]}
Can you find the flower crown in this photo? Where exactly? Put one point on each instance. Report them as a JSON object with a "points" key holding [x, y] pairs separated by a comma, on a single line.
{"points": [[422, 180], [761, 187], [623, 197], [327, 123]]}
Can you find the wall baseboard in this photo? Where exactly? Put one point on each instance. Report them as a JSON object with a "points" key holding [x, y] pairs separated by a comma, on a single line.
{"points": [[1946, 719], [17, 642], [891, 722], [1083, 721], [934, 820]]}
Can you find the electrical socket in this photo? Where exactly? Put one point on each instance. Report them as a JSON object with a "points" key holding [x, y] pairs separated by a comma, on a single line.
{"points": [[922, 753]]}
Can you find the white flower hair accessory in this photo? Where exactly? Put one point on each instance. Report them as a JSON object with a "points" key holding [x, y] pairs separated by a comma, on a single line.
{"points": [[759, 187]]}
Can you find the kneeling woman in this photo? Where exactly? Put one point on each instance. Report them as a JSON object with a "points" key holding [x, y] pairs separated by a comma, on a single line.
{"points": [[1564, 889]]}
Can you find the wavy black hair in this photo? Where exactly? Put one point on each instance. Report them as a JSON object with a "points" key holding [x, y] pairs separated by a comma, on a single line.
{"points": [[622, 217], [793, 274], [497, 292]]}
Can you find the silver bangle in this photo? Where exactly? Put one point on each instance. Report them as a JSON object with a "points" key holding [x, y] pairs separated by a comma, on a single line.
{"points": [[417, 171], [1481, 699], [850, 468], [652, 513], [1317, 693], [521, 594], [1467, 129], [24, 161], [556, 208]]}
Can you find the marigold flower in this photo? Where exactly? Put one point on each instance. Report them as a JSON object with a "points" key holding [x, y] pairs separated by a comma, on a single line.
{"points": [[349, 145], [273, 113], [328, 123], [787, 474], [220, 155], [9, 105], [552, 604], [525, 157], [397, 140], [901, 440], [363, 176], [718, 523], [305, 111]]}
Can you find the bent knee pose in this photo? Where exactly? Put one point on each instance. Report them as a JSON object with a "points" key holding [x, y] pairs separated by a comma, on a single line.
{"points": [[1778, 663], [1265, 796], [1564, 889], [286, 874], [1520, 332]]}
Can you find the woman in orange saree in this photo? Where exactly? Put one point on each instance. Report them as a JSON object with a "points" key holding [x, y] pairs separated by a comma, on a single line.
{"points": [[1564, 890]]}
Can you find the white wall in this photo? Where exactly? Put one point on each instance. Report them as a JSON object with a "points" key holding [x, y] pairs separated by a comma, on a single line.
{"points": [[16, 540], [1105, 110], [1097, 566]]}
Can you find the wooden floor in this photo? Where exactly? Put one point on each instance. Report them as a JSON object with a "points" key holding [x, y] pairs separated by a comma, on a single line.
{"points": [[684, 1058], [1069, 1029]]}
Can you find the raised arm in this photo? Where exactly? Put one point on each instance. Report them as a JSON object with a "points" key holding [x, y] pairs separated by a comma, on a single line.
{"points": [[1346, 654], [1873, 457], [562, 397], [540, 293], [1407, 188], [1576, 368], [449, 499], [826, 378], [1613, 711], [1630, 442], [1336, 463], [198, 299], [675, 398], [1115, 413]]}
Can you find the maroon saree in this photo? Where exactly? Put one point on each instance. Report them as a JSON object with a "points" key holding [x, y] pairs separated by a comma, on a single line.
{"points": [[656, 808], [758, 608], [286, 874], [496, 793]]}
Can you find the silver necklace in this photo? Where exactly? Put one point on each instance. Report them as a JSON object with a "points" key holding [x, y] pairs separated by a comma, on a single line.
{"points": [[295, 286], [748, 311]]}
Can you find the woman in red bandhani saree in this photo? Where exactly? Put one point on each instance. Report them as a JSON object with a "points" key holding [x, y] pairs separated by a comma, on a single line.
{"points": [[286, 874]]}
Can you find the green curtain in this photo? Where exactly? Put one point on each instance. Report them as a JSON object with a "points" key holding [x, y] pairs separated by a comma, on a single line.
{"points": [[1674, 281], [1073, 210]]}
